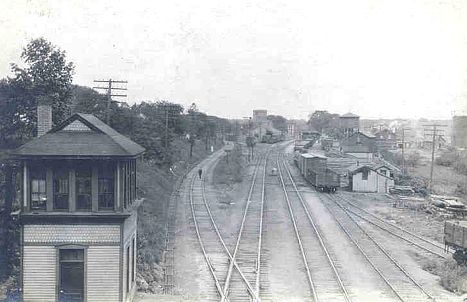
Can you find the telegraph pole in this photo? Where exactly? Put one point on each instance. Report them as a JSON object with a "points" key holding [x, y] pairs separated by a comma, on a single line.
{"points": [[403, 148], [110, 93], [434, 130]]}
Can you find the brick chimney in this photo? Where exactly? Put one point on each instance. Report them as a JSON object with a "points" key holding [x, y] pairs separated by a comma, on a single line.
{"points": [[44, 117]]}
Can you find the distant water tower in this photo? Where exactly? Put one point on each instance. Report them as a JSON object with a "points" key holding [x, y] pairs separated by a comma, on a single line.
{"points": [[349, 123]]}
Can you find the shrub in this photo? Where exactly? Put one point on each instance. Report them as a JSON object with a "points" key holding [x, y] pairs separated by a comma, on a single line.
{"points": [[454, 159]]}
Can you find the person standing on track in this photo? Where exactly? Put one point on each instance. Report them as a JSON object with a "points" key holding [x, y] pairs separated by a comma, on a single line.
{"points": [[200, 172]]}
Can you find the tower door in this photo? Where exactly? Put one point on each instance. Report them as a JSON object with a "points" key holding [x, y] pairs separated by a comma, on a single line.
{"points": [[71, 285]]}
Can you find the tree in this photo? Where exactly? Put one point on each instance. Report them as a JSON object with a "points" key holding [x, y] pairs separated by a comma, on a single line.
{"points": [[45, 75], [278, 122], [87, 100], [323, 121], [413, 159]]}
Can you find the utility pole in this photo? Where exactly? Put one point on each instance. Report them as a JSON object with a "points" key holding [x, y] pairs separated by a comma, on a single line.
{"points": [[110, 93], [403, 148], [435, 132]]}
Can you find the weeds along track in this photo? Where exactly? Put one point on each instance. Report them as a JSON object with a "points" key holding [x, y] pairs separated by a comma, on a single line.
{"points": [[247, 252], [168, 254], [402, 285], [320, 266], [411, 238], [213, 247]]}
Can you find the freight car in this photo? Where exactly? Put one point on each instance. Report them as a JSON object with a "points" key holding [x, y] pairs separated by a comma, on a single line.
{"points": [[455, 236], [314, 169]]}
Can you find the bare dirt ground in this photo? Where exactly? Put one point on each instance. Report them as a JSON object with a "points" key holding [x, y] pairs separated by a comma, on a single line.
{"points": [[283, 277], [418, 222]]}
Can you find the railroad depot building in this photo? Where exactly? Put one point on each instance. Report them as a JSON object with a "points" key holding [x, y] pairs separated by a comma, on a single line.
{"points": [[78, 212]]}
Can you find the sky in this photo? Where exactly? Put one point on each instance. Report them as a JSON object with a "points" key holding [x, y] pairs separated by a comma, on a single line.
{"points": [[378, 59]]}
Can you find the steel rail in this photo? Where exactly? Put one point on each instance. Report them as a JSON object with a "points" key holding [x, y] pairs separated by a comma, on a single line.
{"points": [[435, 244], [219, 236], [320, 238], [398, 236], [384, 251], [365, 255], [260, 237], [198, 234], [297, 235], [231, 258], [242, 225]]}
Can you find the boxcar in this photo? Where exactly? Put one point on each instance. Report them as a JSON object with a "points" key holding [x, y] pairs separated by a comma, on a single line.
{"points": [[455, 236], [314, 169]]}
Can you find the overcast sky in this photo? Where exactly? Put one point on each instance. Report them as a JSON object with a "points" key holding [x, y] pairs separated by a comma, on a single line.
{"points": [[395, 58]]}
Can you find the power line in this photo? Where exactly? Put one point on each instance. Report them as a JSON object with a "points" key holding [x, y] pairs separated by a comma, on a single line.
{"points": [[110, 93], [434, 130]]}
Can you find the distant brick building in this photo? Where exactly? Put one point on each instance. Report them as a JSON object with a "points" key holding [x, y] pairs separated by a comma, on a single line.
{"points": [[260, 115], [78, 212], [291, 130]]}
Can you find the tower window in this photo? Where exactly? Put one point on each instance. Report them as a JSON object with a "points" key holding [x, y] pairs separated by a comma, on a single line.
{"points": [[83, 189], [38, 190], [106, 187], [61, 190]]}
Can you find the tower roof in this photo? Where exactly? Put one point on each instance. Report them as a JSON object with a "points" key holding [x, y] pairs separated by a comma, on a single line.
{"points": [[81, 135]]}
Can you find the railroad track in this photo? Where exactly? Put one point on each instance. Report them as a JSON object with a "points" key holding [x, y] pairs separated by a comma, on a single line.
{"points": [[219, 260], [248, 246], [323, 276], [411, 238], [400, 284]]}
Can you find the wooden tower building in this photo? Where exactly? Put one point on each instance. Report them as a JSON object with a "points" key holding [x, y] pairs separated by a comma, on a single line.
{"points": [[78, 212]]}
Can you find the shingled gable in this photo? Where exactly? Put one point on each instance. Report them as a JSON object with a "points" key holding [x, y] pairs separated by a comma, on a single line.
{"points": [[81, 135]]}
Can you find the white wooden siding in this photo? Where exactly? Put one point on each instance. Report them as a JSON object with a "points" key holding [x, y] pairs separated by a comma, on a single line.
{"points": [[128, 297], [71, 234], [103, 273], [361, 185], [39, 275], [376, 183]]}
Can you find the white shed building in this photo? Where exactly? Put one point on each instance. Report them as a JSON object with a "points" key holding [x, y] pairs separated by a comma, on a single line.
{"points": [[369, 179]]}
